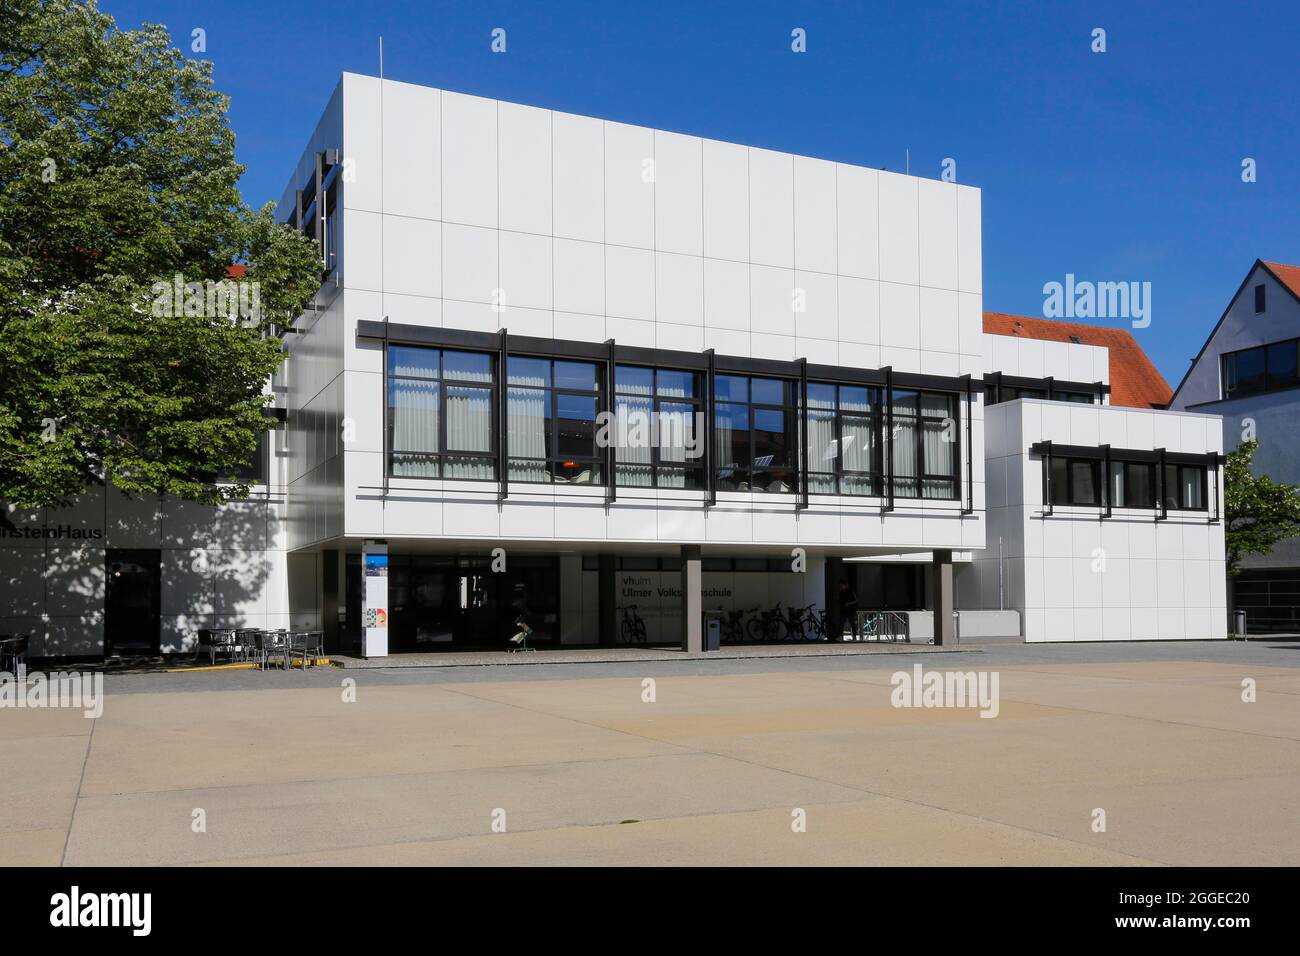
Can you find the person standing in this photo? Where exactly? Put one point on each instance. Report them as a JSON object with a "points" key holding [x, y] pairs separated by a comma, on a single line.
{"points": [[848, 599]]}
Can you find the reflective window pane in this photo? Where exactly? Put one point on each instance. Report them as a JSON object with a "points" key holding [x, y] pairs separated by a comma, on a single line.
{"points": [[674, 384], [768, 391], [633, 380], [533, 372], [467, 366], [409, 362], [577, 375], [731, 388]]}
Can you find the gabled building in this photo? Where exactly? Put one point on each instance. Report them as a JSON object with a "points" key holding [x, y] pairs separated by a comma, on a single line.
{"points": [[1248, 372]]}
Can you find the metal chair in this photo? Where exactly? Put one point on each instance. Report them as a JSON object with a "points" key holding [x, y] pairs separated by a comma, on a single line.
{"points": [[223, 641], [309, 645], [246, 642], [273, 643], [13, 656]]}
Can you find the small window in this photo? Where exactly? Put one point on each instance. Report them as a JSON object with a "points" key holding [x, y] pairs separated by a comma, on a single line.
{"points": [[1259, 299], [1076, 481], [1132, 484], [1184, 488]]}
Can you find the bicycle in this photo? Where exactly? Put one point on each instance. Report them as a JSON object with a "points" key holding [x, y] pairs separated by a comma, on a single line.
{"points": [[631, 628], [794, 624], [733, 626], [815, 620], [767, 626]]}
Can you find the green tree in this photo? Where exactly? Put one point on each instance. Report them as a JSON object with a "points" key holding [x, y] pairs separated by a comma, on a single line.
{"points": [[1258, 512], [117, 172]]}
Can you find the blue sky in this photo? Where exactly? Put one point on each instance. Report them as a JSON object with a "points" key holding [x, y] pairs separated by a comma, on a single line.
{"points": [[1123, 165]]}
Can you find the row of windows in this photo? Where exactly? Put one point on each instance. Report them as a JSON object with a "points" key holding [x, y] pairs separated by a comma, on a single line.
{"points": [[441, 424], [993, 394], [1264, 368], [1077, 481]]}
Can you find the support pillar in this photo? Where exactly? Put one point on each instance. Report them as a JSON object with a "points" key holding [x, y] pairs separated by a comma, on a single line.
{"points": [[941, 588], [834, 619], [692, 600], [607, 608]]}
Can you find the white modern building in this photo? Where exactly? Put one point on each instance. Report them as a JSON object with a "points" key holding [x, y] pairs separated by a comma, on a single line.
{"points": [[611, 378]]}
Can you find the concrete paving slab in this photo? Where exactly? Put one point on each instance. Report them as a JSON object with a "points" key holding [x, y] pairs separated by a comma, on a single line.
{"points": [[862, 833]]}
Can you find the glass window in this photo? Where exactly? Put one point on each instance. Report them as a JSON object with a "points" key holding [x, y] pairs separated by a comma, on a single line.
{"points": [[731, 388], [925, 437], [1280, 361], [658, 419], [1132, 484], [1075, 481], [439, 425], [842, 449], [755, 438], [1185, 488], [551, 408]]}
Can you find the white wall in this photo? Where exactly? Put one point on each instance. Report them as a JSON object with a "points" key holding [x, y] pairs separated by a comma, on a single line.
{"points": [[220, 567], [1036, 358], [1075, 577], [592, 229]]}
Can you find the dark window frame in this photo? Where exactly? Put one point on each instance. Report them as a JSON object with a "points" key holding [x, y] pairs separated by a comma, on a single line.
{"points": [[875, 477], [553, 392], [1066, 498], [1127, 466], [789, 410], [1271, 382], [440, 456], [691, 467], [1179, 502], [923, 473]]}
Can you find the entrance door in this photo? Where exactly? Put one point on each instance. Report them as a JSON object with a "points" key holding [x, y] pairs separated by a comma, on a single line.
{"points": [[132, 601]]}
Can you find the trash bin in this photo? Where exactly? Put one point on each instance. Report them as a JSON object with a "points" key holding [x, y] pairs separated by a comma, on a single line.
{"points": [[1239, 625], [712, 631]]}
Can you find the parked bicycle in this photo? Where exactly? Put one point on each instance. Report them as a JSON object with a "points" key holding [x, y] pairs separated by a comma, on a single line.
{"points": [[768, 625], [813, 623], [794, 623], [631, 628], [733, 625]]}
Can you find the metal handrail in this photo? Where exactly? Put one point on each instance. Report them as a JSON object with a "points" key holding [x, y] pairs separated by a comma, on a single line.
{"points": [[884, 625]]}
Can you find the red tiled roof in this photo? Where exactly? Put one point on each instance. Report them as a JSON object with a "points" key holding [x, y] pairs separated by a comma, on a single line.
{"points": [[1289, 276], [1134, 381]]}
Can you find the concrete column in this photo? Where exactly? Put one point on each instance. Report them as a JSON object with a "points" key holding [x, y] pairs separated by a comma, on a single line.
{"points": [[607, 614], [692, 600], [834, 620], [941, 588]]}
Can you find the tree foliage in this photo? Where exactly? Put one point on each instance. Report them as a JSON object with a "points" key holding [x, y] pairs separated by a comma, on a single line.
{"points": [[1258, 512], [117, 172]]}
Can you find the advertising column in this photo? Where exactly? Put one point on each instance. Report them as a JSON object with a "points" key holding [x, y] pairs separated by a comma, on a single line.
{"points": [[374, 611]]}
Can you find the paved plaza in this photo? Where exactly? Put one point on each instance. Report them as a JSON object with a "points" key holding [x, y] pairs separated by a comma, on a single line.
{"points": [[799, 761]]}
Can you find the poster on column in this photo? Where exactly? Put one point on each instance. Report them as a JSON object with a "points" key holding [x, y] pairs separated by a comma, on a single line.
{"points": [[375, 610]]}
